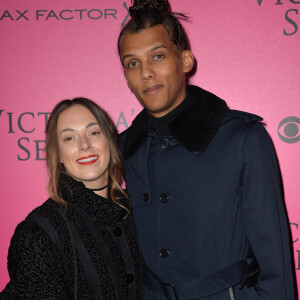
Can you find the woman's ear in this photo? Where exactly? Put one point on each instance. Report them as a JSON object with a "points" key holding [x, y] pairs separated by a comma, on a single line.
{"points": [[187, 60]]}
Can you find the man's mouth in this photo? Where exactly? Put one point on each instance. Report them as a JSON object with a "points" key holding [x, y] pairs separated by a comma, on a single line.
{"points": [[152, 89], [87, 160]]}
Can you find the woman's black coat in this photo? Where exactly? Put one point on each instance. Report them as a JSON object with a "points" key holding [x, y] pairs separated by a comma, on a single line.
{"points": [[85, 252]]}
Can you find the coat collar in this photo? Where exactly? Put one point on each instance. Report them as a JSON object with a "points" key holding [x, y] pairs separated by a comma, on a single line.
{"points": [[194, 127], [76, 193]]}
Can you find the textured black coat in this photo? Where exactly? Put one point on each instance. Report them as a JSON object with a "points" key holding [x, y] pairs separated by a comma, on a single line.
{"points": [[206, 194], [91, 253]]}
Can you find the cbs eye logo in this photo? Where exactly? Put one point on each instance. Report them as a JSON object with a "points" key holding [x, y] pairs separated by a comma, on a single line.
{"points": [[288, 130]]}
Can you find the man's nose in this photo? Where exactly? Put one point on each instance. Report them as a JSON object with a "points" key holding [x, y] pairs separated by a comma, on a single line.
{"points": [[147, 72]]}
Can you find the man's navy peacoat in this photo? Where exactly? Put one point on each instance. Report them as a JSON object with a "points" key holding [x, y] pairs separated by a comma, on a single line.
{"points": [[206, 194]]}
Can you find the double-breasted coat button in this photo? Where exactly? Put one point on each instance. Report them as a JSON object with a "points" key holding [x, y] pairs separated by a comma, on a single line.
{"points": [[117, 231], [146, 197], [164, 253], [165, 143], [129, 278], [164, 198]]}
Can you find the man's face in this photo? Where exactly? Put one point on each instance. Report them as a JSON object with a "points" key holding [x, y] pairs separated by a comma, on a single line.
{"points": [[154, 69]]}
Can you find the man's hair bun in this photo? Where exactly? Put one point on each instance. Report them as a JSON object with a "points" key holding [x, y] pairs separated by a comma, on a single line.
{"points": [[141, 6]]}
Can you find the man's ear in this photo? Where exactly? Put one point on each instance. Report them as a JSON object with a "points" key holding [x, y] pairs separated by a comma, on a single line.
{"points": [[188, 60]]}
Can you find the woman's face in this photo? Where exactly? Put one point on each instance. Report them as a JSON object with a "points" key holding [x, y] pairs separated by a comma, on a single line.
{"points": [[83, 148]]}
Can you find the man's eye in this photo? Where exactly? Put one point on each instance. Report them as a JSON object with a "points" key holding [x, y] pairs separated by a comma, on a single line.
{"points": [[158, 57], [133, 64]]}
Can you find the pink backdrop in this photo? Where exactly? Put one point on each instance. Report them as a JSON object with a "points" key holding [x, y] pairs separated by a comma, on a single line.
{"points": [[247, 53]]}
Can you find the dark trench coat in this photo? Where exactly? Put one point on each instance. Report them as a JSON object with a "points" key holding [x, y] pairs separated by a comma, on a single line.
{"points": [[205, 195]]}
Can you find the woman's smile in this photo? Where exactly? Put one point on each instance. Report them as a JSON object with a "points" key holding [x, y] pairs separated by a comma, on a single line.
{"points": [[89, 160]]}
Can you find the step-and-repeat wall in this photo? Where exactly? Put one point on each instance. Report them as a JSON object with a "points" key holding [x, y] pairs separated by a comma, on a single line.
{"points": [[247, 53]]}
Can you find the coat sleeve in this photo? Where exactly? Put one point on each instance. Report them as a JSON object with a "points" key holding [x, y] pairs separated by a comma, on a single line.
{"points": [[34, 266], [265, 218]]}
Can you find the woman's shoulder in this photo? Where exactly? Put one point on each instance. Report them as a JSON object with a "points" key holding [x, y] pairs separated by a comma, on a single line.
{"points": [[29, 229], [32, 234], [28, 224], [45, 209], [28, 238]]}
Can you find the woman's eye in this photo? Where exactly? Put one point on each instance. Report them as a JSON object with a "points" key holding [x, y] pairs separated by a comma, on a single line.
{"points": [[67, 139], [95, 133]]}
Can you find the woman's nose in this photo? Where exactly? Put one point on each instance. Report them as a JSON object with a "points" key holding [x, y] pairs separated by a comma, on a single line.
{"points": [[84, 143]]}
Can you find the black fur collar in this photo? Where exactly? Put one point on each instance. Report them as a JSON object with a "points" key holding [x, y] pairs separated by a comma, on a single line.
{"points": [[194, 128]]}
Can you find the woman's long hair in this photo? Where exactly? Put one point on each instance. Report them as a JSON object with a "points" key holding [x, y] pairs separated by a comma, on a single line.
{"points": [[55, 168]]}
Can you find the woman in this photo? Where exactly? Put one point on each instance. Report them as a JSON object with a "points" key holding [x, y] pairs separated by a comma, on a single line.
{"points": [[79, 244]]}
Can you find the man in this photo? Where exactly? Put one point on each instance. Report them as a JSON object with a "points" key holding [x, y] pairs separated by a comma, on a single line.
{"points": [[203, 179]]}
